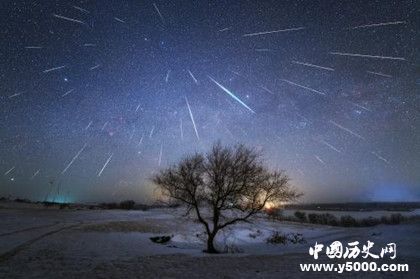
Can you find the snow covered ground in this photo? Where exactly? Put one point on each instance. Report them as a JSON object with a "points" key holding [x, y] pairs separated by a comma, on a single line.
{"points": [[51, 243]]}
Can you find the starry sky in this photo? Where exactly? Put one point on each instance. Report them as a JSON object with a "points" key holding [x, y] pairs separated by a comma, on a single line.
{"points": [[96, 96]]}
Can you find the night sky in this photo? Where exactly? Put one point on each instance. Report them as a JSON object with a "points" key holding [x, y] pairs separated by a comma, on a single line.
{"points": [[97, 95]]}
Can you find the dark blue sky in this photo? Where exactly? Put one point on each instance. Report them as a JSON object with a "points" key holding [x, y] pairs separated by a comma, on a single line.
{"points": [[94, 94]]}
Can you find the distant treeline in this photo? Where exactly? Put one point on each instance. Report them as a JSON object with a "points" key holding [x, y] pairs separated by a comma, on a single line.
{"points": [[345, 220], [125, 205], [356, 206]]}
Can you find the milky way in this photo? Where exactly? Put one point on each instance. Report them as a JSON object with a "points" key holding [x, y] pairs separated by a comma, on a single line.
{"points": [[96, 96]]}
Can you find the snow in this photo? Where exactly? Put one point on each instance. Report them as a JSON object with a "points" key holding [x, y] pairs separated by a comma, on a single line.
{"points": [[67, 243]]}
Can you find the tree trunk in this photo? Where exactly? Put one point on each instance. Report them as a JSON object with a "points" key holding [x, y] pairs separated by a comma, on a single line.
{"points": [[210, 244]]}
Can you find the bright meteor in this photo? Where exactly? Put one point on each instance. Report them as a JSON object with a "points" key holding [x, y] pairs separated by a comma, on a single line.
{"points": [[231, 94]]}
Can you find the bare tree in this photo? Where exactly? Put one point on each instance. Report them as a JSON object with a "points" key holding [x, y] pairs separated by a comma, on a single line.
{"points": [[223, 187]]}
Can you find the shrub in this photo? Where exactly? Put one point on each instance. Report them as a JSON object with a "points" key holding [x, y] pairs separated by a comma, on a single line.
{"points": [[277, 238], [301, 216], [370, 221], [348, 221], [127, 205], [396, 218]]}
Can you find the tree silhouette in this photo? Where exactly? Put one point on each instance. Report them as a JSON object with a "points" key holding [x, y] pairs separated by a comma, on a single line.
{"points": [[223, 187]]}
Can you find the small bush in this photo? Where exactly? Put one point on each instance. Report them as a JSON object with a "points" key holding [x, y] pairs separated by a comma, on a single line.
{"points": [[127, 205], [160, 239], [301, 216], [370, 221], [348, 221], [277, 238], [296, 238], [396, 219]]}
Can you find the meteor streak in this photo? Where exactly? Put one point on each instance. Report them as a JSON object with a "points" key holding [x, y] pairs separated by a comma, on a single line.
{"points": [[181, 129], [225, 29], [380, 157], [90, 123], [379, 24], [193, 77], [313, 66], [231, 94], [274, 31], [192, 118], [106, 163], [160, 155], [35, 174], [360, 106], [74, 158], [14, 95], [319, 159], [54, 69], [81, 9], [367, 56], [304, 87], [68, 19], [379, 74], [119, 20], [94, 67], [67, 93], [347, 130], [9, 171], [167, 76], [330, 146], [267, 90], [158, 11]]}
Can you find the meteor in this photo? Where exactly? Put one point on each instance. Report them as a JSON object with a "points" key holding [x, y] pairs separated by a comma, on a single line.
{"points": [[379, 74], [274, 31], [67, 93], [193, 77], [106, 163], [81, 9], [160, 155], [181, 129], [68, 19], [231, 94], [119, 20], [74, 158], [367, 56], [103, 127], [360, 106], [151, 132], [53, 69], [319, 159], [90, 123], [330, 146], [158, 11], [347, 130], [380, 157], [35, 174], [304, 87], [379, 24], [9, 171], [225, 29], [94, 67], [192, 118], [167, 76], [267, 90], [14, 95], [313, 66]]}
